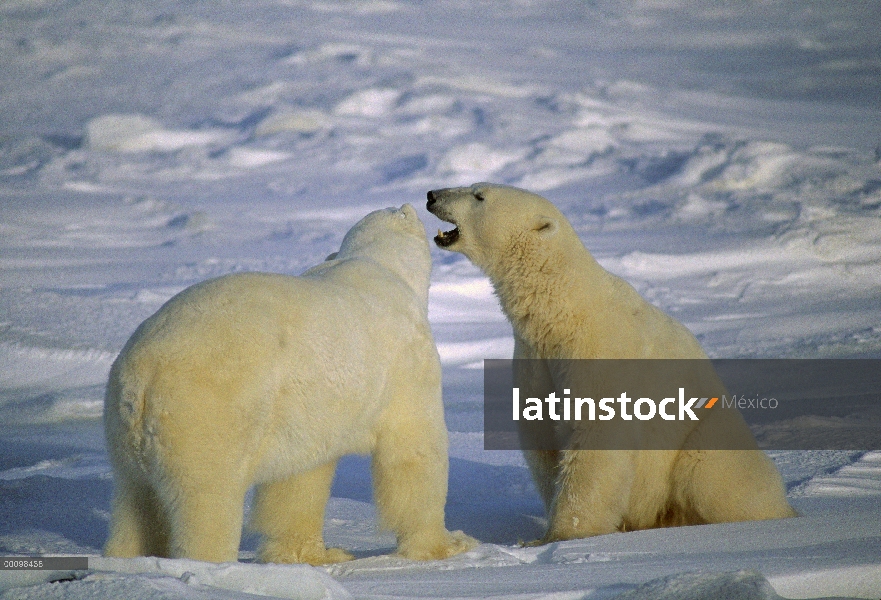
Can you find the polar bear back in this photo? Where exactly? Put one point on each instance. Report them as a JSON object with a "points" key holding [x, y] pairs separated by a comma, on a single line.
{"points": [[357, 296], [629, 326], [293, 340]]}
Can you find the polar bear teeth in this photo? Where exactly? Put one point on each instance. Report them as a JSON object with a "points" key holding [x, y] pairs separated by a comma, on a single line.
{"points": [[445, 238]]}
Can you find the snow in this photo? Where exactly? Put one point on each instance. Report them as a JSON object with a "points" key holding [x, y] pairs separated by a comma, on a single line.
{"points": [[723, 158]]}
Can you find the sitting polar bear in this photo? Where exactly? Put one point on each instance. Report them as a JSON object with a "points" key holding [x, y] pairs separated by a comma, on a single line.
{"points": [[563, 305], [266, 379]]}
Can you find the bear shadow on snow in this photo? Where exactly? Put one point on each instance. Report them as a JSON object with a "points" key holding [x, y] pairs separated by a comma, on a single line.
{"points": [[503, 509], [74, 509], [70, 508]]}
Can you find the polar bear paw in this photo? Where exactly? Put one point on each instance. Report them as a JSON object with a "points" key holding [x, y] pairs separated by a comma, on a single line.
{"points": [[312, 552], [437, 547]]}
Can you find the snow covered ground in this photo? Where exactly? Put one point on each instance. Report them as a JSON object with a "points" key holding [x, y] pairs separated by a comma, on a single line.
{"points": [[725, 158]]}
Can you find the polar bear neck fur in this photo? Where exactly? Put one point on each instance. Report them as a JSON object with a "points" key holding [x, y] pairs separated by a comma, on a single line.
{"points": [[549, 273], [537, 291], [534, 259], [543, 275], [405, 255]]}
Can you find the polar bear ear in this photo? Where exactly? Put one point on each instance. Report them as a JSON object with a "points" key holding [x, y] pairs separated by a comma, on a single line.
{"points": [[545, 226]]}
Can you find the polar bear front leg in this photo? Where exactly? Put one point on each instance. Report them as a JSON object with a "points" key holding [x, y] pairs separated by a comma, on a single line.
{"points": [[410, 467], [290, 515], [594, 492]]}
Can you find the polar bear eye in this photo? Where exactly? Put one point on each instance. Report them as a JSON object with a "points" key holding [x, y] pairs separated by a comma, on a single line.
{"points": [[479, 196]]}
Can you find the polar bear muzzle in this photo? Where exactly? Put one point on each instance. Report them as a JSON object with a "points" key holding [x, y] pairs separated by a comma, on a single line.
{"points": [[443, 239], [446, 238]]}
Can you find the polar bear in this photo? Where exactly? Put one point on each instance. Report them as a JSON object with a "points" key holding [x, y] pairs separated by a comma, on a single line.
{"points": [[269, 379], [563, 305]]}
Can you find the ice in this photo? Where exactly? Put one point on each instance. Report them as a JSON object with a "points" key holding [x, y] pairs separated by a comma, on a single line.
{"points": [[137, 133], [22, 366], [164, 578], [723, 158], [368, 103], [472, 354], [861, 478], [85, 466], [741, 585], [476, 162], [297, 121], [277, 581], [246, 158]]}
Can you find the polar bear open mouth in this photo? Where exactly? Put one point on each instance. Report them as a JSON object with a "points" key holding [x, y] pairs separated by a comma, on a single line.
{"points": [[446, 238]]}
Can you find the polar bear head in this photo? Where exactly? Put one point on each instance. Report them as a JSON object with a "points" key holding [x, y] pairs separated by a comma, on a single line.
{"points": [[395, 239], [500, 224]]}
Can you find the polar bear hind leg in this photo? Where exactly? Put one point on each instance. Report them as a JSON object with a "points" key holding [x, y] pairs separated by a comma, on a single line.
{"points": [[289, 514], [206, 519], [139, 526], [201, 522], [718, 486]]}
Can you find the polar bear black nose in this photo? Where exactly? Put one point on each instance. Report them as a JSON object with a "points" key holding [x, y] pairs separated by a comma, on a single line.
{"points": [[431, 199]]}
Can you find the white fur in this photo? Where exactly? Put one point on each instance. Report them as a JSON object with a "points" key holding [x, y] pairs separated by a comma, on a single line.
{"points": [[564, 305], [269, 379]]}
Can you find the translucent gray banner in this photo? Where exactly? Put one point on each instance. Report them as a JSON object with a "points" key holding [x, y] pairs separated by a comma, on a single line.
{"points": [[722, 404]]}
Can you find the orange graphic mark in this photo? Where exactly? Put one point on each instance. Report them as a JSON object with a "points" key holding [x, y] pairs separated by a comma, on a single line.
{"points": [[711, 403]]}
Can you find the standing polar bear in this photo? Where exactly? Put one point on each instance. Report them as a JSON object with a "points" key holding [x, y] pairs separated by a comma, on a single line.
{"points": [[269, 379], [564, 305]]}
